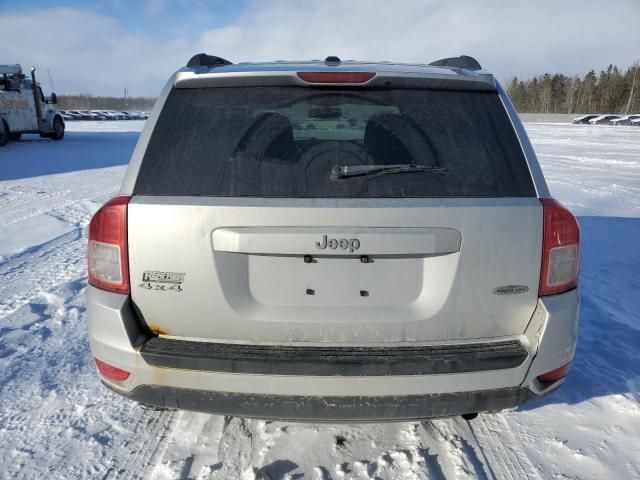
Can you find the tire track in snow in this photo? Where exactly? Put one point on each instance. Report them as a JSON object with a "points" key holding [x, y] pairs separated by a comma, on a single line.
{"points": [[140, 448], [30, 274], [27, 201], [501, 451], [199, 446], [53, 404], [191, 447]]}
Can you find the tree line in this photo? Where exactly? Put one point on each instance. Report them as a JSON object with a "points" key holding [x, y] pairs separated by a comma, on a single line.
{"points": [[90, 102], [610, 91]]}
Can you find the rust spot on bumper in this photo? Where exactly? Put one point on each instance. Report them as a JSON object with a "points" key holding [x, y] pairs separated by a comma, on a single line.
{"points": [[157, 329]]}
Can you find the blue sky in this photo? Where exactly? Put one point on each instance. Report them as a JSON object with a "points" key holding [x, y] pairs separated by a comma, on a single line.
{"points": [[157, 18], [104, 46]]}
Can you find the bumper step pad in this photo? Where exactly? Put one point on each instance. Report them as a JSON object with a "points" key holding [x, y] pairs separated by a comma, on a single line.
{"points": [[333, 361]]}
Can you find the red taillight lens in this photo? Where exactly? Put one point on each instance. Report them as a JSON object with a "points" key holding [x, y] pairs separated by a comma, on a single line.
{"points": [[560, 249], [111, 372], [108, 252], [554, 375], [336, 77]]}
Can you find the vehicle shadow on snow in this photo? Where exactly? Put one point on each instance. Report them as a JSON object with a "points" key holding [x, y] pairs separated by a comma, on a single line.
{"points": [[34, 156], [607, 358]]}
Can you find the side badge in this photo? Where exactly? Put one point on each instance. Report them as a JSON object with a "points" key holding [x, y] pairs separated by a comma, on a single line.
{"points": [[162, 281], [510, 290]]}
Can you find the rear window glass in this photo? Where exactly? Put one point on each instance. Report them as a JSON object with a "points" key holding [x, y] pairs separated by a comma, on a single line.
{"points": [[333, 143]]}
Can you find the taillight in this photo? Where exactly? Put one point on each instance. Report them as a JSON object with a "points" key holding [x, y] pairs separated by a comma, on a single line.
{"points": [[336, 77], [560, 249], [554, 375], [109, 371], [108, 252]]}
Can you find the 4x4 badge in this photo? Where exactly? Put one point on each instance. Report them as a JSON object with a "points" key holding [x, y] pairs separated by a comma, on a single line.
{"points": [[510, 290], [162, 281]]}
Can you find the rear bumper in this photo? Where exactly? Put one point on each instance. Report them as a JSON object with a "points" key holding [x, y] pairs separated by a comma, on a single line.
{"points": [[390, 390], [331, 408]]}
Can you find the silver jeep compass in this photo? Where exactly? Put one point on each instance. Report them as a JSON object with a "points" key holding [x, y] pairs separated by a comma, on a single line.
{"points": [[333, 241]]}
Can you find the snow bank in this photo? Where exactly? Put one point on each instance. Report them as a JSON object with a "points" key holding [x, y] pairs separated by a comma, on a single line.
{"points": [[30, 232]]}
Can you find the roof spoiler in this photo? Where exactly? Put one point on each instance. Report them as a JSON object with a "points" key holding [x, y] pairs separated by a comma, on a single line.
{"points": [[463, 61], [202, 59]]}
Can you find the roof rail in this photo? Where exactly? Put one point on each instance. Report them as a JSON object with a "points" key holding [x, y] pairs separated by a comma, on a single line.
{"points": [[202, 59], [463, 61]]}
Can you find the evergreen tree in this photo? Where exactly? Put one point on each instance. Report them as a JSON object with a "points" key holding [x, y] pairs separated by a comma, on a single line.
{"points": [[609, 91]]}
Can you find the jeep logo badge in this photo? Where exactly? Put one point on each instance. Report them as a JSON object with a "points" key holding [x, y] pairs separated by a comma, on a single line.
{"points": [[352, 244]]}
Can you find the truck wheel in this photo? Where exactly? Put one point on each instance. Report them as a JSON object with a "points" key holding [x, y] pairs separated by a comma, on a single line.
{"points": [[58, 129], [4, 133]]}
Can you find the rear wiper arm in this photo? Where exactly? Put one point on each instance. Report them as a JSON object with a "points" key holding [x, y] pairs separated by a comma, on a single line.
{"points": [[348, 171]]}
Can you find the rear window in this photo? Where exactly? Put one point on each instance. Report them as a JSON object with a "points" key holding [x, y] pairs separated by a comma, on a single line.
{"points": [[291, 142]]}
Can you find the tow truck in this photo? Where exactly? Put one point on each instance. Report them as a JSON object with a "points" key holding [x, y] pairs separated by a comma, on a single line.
{"points": [[24, 108]]}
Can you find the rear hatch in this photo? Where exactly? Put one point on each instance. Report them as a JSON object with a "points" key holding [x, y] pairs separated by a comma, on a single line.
{"points": [[342, 215]]}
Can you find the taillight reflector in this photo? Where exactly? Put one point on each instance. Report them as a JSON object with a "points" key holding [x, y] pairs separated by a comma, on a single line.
{"points": [[110, 371], [554, 375], [107, 249], [336, 77], [560, 249]]}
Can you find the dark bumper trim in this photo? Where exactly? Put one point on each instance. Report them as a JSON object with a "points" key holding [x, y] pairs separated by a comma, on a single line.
{"points": [[331, 409], [333, 361]]}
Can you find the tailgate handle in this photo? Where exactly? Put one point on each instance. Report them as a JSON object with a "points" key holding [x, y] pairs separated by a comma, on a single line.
{"points": [[337, 241]]}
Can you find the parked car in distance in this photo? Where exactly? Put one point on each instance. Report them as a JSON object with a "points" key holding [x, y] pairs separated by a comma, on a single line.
{"points": [[85, 115], [105, 114], [635, 122], [626, 120], [66, 116], [585, 118], [90, 115], [75, 114], [603, 119], [254, 267]]}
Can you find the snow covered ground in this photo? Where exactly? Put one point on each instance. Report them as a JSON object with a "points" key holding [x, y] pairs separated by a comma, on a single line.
{"points": [[57, 421]]}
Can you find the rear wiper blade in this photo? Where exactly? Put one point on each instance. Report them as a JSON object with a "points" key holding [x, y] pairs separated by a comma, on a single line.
{"points": [[348, 171]]}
